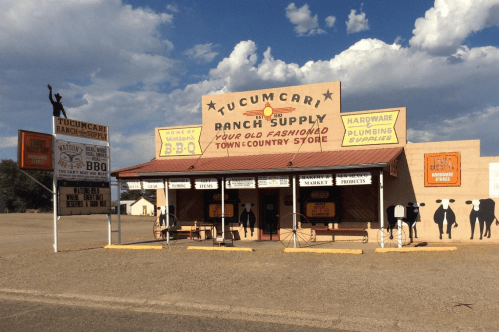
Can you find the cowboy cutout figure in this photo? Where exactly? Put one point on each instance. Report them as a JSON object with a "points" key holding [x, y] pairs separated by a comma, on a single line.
{"points": [[56, 104]]}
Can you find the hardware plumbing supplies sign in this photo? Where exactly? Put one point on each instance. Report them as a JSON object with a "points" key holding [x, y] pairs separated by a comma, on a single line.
{"points": [[79, 161], [370, 128]]}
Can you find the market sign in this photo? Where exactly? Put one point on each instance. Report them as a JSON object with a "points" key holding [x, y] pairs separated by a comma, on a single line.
{"points": [[34, 151], [273, 181], [210, 183], [240, 183], [81, 129], [317, 180], [131, 185], [82, 197], [179, 183], [79, 161], [353, 179], [442, 169], [153, 184], [180, 141], [370, 128], [494, 180]]}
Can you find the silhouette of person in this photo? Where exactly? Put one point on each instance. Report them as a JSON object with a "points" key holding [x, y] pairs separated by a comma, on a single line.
{"points": [[58, 108], [247, 219]]}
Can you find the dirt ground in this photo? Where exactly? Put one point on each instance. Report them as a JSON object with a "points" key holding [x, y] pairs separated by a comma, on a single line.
{"points": [[423, 291]]}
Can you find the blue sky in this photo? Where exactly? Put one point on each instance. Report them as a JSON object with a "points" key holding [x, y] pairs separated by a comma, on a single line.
{"points": [[137, 65]]}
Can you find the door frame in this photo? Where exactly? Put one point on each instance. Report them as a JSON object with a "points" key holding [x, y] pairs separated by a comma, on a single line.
{"points": [[263, 193]]}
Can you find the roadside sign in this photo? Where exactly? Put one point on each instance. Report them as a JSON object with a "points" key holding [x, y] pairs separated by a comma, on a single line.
{"points": [[79, 161], [84, 197], [34, 151]]}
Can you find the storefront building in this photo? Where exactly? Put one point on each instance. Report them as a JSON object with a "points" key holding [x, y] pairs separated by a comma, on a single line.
{"points": [[269, 158]]}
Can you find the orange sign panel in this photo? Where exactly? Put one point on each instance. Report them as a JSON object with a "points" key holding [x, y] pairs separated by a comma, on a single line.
{"points": [[321, 210], [215, 210], [34, 151], [442, 169]]}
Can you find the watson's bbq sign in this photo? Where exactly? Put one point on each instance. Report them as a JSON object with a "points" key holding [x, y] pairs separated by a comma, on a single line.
{"points": [[280, 120]]}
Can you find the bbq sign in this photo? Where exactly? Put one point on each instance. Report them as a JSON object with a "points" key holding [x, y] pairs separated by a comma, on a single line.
{"points": [[79, 161]]}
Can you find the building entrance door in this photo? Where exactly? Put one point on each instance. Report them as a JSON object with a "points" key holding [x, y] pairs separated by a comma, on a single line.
{"points": [[270, 216]]}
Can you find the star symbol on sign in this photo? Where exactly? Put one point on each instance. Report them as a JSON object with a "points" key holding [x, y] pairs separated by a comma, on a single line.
{"points": [[211, 105], [328, 95]]}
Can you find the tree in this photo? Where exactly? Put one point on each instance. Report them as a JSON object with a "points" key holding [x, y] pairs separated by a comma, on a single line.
{"points": [[21, 192]]}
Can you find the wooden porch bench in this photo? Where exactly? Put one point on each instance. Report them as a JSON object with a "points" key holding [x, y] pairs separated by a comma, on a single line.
{"points": [[340, 231]]}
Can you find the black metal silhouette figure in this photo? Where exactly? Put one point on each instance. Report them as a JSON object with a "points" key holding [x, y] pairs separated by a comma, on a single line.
{"points": [[483, 212], [247, 219], [412, 211], [445, 214], [57, 106]]}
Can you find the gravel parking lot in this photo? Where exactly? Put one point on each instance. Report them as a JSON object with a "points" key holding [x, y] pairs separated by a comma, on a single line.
{"points": [[422, 291]]}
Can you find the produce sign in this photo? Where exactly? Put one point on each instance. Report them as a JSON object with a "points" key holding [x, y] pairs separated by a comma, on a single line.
{"points": [[34, 151], [215, 211], [320, 210], [84, 197]]}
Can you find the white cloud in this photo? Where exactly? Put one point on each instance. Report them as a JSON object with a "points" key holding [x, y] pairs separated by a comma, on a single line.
{"points": [[330, 20], [202, 53], [172, 8], [447, 24], [305, 23], [357, 23], [8, 142]]}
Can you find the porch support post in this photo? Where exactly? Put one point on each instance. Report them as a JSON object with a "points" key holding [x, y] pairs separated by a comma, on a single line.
{"points": [[119, 211], [294, 210], [381, 209], [223, 209]]}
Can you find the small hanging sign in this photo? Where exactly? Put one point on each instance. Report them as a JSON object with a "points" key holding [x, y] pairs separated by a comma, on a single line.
{"points": [[273, 181], [209, 183], [153, 184], [179, 183], [353, 179], [131, 185], [317, 180], [240, 183]]}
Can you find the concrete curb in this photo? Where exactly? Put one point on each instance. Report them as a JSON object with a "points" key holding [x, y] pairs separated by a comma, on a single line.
{"points": [[131, 247], [220, 248], [324, 251], [415, 249]]}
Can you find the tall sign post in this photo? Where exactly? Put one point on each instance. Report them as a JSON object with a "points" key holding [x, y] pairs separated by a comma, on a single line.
{"points": [[82, 179]]}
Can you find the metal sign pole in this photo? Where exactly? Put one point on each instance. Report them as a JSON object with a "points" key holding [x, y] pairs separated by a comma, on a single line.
{"points": [[54, 185], [294, 210], [119, 211], [109, 223], [381, 212], [399, 221], [167, 211], [223, 210]]}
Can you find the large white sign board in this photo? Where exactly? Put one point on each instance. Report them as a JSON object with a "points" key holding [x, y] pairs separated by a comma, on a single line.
{"points": [[79, 161], [494, 180]]}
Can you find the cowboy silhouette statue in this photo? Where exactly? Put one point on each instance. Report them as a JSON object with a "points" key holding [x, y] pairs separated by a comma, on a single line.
{"points": [[57, 105]]}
